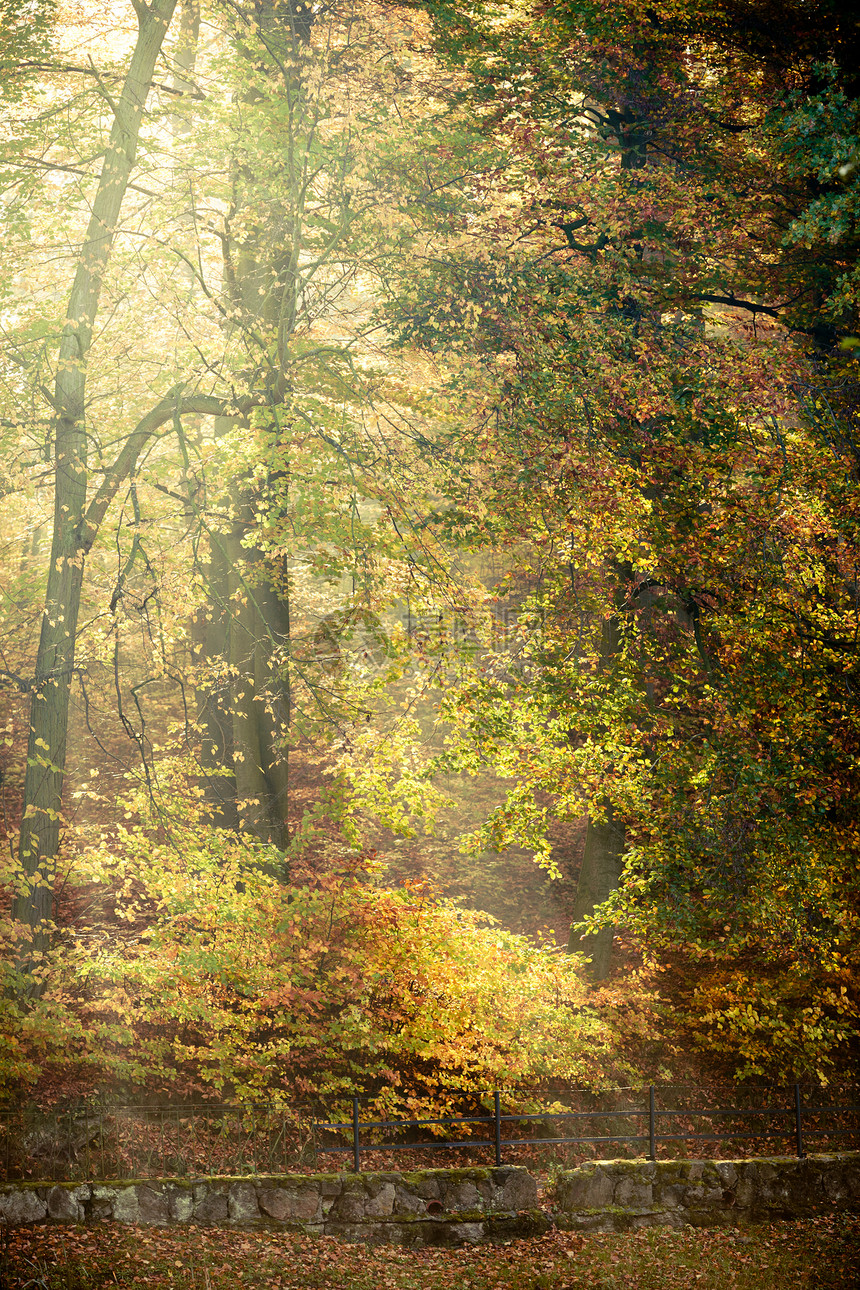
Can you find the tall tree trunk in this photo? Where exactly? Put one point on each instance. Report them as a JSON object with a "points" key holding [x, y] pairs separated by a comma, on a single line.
{"points": [[72, 537], [602, 860], [601, 870], [259, 633], [185, 56], [245, 704]]}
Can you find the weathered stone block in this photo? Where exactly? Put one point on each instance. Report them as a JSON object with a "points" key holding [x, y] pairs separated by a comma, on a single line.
{"points": [[22, 1206], [710, 1216], [773, 1194], [673, 1218], [180, 1201], [382, 1203], [301, 1206], [588, 1187], [65, 1204], [368, 1233], [126, 1207], [406, 1201], [462, 1195], [519, 1190], [242, 1203], [102, 1207], [293, 1206], [835, 1187], [671, 1195], [277, 1202], [152, 1203], [647, 1220], [745, 1189], [633, 1193], [307, 1206], [699, 1195], [465, 1233], [587, 1222], [353, 1232], [349, 1207], [210, 1206]]}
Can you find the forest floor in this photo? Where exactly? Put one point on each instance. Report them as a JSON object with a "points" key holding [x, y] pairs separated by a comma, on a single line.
{"points": [[823, 1252]]}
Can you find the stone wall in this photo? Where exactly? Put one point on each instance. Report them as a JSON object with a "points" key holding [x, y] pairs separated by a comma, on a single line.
{"points": [[614, 1195], [427, 1207], [462, 1206]]}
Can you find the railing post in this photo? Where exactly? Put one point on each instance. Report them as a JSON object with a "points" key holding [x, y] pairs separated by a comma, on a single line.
{"points": [[798, 1122], [498, 1126], [652, 1125], [356, 1149]]}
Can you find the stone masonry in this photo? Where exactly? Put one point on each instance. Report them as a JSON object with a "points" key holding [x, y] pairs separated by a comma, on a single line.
{"points": [[427, 1207], [461, 1206], [614, 1195]]}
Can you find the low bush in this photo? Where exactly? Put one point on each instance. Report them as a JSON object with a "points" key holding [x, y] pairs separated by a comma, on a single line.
{"points": [[235, 980]]}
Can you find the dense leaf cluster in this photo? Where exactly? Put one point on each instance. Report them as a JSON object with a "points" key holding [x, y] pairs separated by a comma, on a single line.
{"points": [[663, 297]]}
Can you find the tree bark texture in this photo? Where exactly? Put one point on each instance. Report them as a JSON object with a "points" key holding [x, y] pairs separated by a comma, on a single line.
{"points": [[602, 864], [244, 709]]}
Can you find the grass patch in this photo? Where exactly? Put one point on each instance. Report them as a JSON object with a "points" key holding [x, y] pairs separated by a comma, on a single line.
{"points": [[822, 1252]]}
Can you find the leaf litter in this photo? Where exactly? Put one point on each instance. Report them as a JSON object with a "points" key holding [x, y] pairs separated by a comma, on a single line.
{"points": [[811, 1253]]}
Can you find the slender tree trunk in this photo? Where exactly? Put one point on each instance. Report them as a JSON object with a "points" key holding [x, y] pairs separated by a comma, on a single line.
{"points": [[72, 536], [214, 697], [602, 860], [185, 55]]}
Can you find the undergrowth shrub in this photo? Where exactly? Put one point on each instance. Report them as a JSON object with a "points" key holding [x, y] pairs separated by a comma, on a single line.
{"points": [[774, 1020], [236, 982]]}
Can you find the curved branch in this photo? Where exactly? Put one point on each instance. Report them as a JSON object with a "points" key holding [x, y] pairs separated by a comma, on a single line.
{"points": [[172, 405]]}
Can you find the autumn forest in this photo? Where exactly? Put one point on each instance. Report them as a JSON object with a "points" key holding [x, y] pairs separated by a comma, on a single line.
{"points": [[429, 547]]}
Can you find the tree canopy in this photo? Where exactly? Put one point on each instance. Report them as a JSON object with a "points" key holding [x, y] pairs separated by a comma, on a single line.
{"points": [[534, 323]]}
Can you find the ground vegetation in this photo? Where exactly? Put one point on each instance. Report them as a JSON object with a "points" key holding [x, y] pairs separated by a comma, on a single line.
{"points": [[819, 1252]]}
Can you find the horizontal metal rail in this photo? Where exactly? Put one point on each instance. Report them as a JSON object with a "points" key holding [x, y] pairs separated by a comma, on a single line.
{"points": [[776, 1110], [807, 1110], [418, 1146]]}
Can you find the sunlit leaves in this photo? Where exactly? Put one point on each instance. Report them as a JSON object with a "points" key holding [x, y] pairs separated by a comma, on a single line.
{"points": [[251, 988]]}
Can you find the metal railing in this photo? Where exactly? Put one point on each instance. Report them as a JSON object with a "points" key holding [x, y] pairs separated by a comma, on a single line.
{"points": [[802, 1127], [150, 1141]]}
